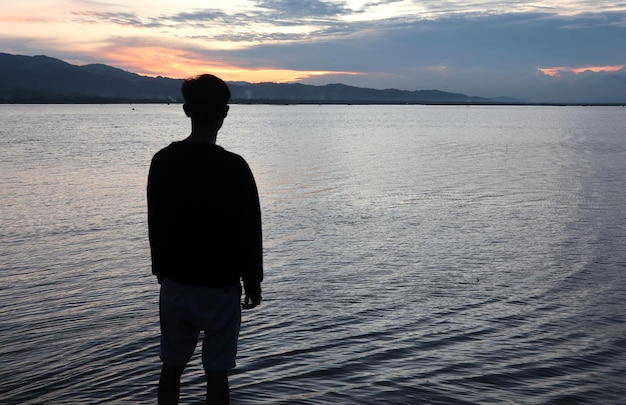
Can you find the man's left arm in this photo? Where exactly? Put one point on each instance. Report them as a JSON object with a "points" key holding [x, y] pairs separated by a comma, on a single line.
{"points": [[154, 220], [252, 272]]}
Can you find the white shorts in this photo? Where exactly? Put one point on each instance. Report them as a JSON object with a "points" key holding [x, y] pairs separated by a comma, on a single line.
{"points": [[186, 310]]}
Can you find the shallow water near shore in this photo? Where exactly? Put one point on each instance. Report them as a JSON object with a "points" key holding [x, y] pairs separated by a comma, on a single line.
{"points": [[413, 254]]}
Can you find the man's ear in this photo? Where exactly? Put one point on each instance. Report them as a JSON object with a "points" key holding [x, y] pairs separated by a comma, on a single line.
{"points": [[186, 109], [226, 111]]}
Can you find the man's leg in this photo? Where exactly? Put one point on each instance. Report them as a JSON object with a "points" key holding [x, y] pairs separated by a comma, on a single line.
{"points": [[217, 389], [169, 384]]}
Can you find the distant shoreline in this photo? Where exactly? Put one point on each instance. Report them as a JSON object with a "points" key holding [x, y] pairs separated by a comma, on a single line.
{"points": [[96, 101]]}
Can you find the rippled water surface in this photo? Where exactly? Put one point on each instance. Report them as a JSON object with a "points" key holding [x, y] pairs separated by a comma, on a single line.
{"points": [[414, 255]]}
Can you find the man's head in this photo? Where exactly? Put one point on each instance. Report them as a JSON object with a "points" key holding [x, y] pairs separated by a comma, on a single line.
{"points": [[206, 98]]}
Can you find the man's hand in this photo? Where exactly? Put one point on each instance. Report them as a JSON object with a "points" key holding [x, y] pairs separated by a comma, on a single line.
{"points": [[250, 302]]}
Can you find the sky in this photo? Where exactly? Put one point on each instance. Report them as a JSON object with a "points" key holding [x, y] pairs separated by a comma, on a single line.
{"points": [[542, 51]]}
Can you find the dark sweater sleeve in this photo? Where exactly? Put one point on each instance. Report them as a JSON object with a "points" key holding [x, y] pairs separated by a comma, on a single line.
{"points": [[252, 272], [155, 218]]}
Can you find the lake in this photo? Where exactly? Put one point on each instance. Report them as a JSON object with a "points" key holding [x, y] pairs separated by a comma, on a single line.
{"points": [[413, 254]]}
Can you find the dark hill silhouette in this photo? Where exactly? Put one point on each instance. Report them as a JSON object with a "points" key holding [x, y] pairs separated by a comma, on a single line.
{"points": [[42, 79], [45, 79], [341, 93]]}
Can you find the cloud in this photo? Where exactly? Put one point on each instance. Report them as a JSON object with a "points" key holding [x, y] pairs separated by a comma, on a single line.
{"points": [[588, 86], [483, 55], [250, 27], [490, 42], [115, 18], [304, 9], [556, 71]]}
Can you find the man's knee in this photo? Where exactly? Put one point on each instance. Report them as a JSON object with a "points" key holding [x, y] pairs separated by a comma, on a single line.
{"points": [[216, 375], [168, 370]]}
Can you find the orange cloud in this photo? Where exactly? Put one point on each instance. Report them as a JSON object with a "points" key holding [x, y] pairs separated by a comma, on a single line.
{"points": [[156, 61], [23, 18], [556, 71]]}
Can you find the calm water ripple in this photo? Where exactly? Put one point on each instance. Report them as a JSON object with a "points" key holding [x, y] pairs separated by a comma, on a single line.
{"points": [[414, 255]]}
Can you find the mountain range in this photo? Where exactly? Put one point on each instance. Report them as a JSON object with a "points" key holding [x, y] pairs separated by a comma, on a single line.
{"points": [[42, 79]]}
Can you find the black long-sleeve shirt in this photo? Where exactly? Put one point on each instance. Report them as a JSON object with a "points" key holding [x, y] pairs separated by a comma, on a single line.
{"points": [[204, 217]]}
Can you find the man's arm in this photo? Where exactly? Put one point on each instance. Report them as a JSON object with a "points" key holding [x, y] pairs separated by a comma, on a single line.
{"points": [[252, 272], [250, 302], [154, 220]]}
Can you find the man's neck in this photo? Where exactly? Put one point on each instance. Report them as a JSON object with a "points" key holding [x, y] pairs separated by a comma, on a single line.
{"points": [[203, 133], [202, 137]]}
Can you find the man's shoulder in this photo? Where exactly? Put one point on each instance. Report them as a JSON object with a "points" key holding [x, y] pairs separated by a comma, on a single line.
{"points": [[188, 150], [169, 149], [232, 155]]}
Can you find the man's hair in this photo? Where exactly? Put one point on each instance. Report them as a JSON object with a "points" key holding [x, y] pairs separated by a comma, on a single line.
{"points": [[206, 97]]}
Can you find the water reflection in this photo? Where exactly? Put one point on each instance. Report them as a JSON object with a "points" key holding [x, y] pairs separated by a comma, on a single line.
{"points": [[458, 255]]}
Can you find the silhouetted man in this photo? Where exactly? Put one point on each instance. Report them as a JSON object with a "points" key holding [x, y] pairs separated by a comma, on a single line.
{"points": [[205, 237]]}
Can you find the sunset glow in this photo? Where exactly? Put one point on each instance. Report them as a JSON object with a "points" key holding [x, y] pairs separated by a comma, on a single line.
{"points": [[155, 61], [556, 71]]}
